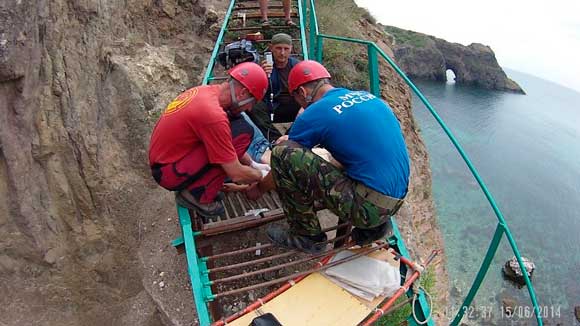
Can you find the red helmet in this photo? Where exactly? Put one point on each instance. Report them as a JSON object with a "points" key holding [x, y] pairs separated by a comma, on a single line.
{"points": [[252, 76], [304, 72]]}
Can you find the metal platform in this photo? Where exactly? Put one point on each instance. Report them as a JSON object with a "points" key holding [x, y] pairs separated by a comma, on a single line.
{"points": [[241, 213]]}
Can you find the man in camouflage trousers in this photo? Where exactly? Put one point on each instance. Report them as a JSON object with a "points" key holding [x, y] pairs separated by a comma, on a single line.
{"points": [[363, 135], [304, 177]]}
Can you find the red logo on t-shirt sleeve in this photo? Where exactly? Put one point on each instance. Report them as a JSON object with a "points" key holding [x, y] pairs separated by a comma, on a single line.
{"points": [[181, 101]]}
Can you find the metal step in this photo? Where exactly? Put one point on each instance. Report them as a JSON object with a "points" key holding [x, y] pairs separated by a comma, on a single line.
{"points": [[294, 40], [257, 15], [244, 7], [260, 28]]}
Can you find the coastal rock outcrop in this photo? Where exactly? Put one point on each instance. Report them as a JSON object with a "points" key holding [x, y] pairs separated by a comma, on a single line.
{"points": [[427, 57], [512, 271]]}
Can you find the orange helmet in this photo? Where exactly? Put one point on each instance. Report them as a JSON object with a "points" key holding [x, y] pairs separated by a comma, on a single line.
{"points": [[252, 76], [304, 72]]}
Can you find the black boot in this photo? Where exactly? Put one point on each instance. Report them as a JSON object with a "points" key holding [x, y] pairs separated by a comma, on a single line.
{"points": [[309, 244], [210, 210], [363, 237]]}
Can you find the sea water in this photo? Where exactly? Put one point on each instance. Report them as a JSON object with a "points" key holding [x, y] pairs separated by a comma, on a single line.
{"points": [[527, 150]]}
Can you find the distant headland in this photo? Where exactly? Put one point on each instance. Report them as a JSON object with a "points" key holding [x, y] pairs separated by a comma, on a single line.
{"points": [[424, 56]]}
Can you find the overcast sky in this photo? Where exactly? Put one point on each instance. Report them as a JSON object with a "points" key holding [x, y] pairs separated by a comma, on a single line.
{"points": [[541, 38]]}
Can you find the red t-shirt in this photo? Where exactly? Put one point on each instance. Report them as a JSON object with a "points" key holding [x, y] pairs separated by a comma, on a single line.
{"points": [[194, 118]]}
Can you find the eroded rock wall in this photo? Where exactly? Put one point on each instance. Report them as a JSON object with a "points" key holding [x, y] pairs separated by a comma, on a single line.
{"points": [[80, 85]]}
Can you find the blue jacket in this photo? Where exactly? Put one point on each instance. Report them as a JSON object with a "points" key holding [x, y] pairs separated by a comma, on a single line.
{"points": [[275, 80], [361, 132]]}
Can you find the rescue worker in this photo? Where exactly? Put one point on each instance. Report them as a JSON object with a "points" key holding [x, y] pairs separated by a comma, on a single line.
{"points": [[200, 139], [363, 135]]}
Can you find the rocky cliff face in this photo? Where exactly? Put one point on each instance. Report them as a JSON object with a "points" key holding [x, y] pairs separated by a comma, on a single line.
{"points": [[84, 231], [426, 57], [79, 81]]}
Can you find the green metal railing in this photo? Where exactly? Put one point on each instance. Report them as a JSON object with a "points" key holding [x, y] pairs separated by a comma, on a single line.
{"points": [[422, 311], [301, 8], [216, 48], [316, 42], [195, 267]]}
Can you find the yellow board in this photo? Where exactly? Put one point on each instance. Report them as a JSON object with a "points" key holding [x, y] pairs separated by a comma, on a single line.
{"points": [[316, 301]]}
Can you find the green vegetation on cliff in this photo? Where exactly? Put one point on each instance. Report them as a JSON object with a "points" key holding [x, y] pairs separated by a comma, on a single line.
{"points": [[403, 36], [346, 61]]}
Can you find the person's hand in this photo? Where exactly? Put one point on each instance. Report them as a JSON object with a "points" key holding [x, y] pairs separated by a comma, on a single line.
{"points": [[253, 192], [267, 67], [233, 187], [281, 139]]}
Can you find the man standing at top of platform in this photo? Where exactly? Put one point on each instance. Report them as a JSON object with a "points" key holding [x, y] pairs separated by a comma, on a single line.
{"points": [[200, 139], [287, 11], [363, 135]]}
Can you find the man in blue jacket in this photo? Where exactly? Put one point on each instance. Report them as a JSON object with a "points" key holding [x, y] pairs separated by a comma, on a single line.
{"points": [[278, 106], [363, 134], [284, 106]]}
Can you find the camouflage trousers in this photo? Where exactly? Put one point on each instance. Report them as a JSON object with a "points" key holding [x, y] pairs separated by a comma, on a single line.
{"points": [[303, 177]]}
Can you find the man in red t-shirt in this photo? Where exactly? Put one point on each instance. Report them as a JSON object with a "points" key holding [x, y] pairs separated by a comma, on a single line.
{"points": [[200, 139]]}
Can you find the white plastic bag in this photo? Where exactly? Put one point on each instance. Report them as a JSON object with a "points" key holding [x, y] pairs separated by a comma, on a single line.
{"points": [[365, 277]]}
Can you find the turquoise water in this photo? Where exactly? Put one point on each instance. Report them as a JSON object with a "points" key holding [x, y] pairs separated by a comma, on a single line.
{"points": [[527, 150]]}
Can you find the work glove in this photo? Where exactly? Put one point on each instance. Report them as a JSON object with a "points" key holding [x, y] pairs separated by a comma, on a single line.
{"points": [[260, 166], [263, 168]]}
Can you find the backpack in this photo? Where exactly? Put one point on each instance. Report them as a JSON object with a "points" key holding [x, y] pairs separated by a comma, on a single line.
{"points": [[238, 52]]}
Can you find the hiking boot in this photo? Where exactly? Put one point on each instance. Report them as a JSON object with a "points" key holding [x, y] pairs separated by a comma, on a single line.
{"points": [[363, 237], [210, 210], [308, 244]]}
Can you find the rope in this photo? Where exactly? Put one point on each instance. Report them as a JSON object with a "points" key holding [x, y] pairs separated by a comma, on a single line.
{"points": [[416, 287]]}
